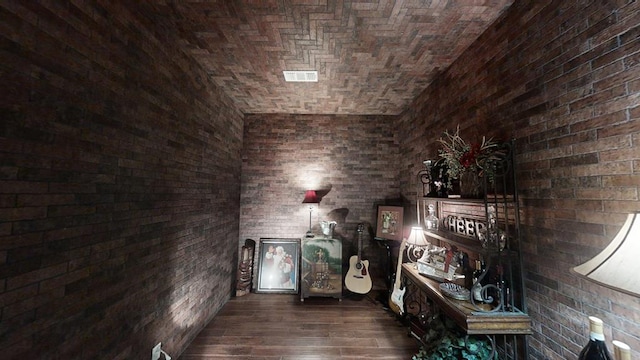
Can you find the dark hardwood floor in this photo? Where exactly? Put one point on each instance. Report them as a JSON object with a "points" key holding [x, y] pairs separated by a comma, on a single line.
{"points": [[277, 326]]}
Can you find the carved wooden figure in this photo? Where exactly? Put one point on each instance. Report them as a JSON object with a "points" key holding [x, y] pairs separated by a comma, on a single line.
{"points": [[245, 268]]}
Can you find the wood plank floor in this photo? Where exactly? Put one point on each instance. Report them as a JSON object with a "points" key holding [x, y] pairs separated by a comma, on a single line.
{"points": [[277, 326]]}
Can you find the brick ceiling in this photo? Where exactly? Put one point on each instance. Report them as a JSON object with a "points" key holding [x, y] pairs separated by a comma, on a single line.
{"points": [[372, 57]]}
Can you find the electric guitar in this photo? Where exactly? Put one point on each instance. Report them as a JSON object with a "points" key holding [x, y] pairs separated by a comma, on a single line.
{"points": [[357, 279], [396, 301]]}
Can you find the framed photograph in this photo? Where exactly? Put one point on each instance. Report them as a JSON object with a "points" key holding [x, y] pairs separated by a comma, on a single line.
{"points": [[278, 268], [389, 222]]}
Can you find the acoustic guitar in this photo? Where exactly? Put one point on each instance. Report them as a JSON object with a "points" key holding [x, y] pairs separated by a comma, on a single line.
{"points": [[396, 300], [357, 279]]}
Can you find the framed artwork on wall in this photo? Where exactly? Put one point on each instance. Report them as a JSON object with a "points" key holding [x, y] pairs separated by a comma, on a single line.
{"points": [[278, 266], [389, 224]]}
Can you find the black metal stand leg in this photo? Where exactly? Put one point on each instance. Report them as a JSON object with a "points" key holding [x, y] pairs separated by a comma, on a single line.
{"points": [[384, 298]]}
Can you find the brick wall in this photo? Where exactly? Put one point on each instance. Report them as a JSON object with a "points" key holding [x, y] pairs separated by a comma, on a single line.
{"points": [[563, 78], [119, 184], [350, 160]]}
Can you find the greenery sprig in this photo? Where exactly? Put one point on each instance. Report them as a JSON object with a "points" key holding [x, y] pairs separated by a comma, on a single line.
{"points": [[453, 347]]}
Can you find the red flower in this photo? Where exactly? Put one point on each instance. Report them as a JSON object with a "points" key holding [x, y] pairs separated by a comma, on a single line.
{"points": [[468, 158]]}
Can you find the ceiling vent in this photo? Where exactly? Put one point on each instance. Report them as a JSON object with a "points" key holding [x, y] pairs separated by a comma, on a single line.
{"points": [[300, 76]]}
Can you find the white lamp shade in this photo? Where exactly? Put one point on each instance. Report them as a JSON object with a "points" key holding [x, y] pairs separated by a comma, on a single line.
{"points": [[416, 237], [417, 244], [618, 265]]}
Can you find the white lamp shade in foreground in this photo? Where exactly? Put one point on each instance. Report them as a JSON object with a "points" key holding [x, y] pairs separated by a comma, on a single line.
{"points": [[618, 265]]}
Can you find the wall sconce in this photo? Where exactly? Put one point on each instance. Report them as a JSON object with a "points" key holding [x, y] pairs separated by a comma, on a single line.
{"points": [[310, 197], [417, 244], [617, 266]]}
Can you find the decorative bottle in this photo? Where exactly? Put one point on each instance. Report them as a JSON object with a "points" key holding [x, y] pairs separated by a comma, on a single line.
{"points": [[431, 221], [596, 349], [477, 285], [504, 291], [621, 351], [492, 237]]}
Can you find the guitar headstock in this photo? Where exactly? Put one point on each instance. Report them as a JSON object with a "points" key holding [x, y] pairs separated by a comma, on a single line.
{"points": [[360, 227]]}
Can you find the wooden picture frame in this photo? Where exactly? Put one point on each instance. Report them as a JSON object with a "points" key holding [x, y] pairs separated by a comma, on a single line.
{"points": [[389, 225], [278, 266]]}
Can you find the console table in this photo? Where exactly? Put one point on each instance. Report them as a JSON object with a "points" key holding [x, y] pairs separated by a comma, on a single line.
{"points": [[463, 312], [423, 301]]}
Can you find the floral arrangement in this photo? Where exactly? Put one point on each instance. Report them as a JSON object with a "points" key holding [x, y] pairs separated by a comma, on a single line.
{"points": [[474, 158]]}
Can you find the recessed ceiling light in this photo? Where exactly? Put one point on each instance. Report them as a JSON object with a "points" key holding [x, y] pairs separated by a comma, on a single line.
{"points": [[300, 76]]}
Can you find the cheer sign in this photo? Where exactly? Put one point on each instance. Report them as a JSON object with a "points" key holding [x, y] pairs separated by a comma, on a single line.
{"points": [[462, 226]]}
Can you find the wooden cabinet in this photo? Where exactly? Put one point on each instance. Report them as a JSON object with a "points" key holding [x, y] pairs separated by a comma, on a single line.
{"points": [[486, 230], [321, 268]]}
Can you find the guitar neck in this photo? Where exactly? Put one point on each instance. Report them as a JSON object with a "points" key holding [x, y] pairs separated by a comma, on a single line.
{"points": [[360, 231], [399, 266]]}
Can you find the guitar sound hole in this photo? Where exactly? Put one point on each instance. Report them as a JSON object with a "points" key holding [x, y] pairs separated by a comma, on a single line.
{"points": [[359, 266]]}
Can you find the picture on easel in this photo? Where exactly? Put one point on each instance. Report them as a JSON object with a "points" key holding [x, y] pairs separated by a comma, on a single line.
{"points": [[389, 224]]}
